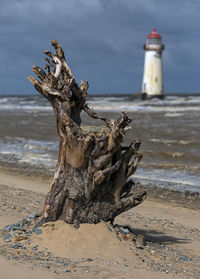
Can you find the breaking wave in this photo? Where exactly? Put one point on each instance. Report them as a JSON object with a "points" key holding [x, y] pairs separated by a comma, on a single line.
{"points": [[172, 106]]}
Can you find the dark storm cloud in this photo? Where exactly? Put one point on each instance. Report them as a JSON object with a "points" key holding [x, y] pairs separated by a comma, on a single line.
{"points": [[102, 40]]}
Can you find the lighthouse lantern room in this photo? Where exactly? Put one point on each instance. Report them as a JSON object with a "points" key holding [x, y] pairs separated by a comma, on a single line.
{"points": [[152, 85]]}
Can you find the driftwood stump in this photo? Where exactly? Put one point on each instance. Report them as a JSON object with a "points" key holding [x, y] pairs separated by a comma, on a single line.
{"points": [[91, 178]]}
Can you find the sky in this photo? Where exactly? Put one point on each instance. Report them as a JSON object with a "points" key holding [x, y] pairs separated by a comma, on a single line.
{"points": [[102, 40]]}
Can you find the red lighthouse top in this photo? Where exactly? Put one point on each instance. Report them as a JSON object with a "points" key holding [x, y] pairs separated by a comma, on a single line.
{"points": [[154, 35]]}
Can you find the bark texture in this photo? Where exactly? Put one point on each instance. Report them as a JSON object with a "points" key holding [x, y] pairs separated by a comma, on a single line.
{"points": [[91, 178]]}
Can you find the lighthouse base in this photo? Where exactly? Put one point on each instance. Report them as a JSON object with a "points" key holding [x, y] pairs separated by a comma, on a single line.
{"points": [[145, 96]]}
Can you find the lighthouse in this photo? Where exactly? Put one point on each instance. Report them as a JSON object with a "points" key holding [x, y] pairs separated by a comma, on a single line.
{"points": [[152, 85]]}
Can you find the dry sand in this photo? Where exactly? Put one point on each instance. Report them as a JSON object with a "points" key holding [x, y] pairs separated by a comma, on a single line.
{"points": [[171, 233]]}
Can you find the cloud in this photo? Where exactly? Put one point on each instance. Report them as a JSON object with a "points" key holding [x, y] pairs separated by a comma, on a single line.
{"points": [[102, 41]]}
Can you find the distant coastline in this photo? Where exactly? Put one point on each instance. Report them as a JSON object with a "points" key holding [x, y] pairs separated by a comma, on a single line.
{"points": [[108, 94]]}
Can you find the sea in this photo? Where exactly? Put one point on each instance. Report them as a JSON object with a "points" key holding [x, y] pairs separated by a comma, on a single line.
{"points": [[169, 130]]}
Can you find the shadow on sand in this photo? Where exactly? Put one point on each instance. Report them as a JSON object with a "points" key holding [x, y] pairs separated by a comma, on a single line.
{"points": [[155, 236]]}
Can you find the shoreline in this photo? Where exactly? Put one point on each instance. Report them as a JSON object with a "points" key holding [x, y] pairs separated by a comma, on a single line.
{"points": [[156, 192]]}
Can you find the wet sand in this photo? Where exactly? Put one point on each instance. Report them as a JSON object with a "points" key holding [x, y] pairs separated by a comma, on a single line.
{"points": [[168, 221]]}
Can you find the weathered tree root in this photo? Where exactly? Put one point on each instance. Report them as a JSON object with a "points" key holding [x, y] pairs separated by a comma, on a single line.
{"points": [[90, 182]]}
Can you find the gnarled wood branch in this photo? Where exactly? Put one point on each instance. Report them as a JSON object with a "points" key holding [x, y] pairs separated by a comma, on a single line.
{"points": [[91, 178]]}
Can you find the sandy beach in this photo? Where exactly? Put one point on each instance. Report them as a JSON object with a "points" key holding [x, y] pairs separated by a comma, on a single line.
{"points": [[166, 244]]}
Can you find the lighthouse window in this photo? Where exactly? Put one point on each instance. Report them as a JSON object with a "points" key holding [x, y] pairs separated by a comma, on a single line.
{"points": [[153, 41]]}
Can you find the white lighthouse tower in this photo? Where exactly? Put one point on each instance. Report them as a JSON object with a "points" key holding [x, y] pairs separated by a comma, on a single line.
{"points": [[152, 85]]}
